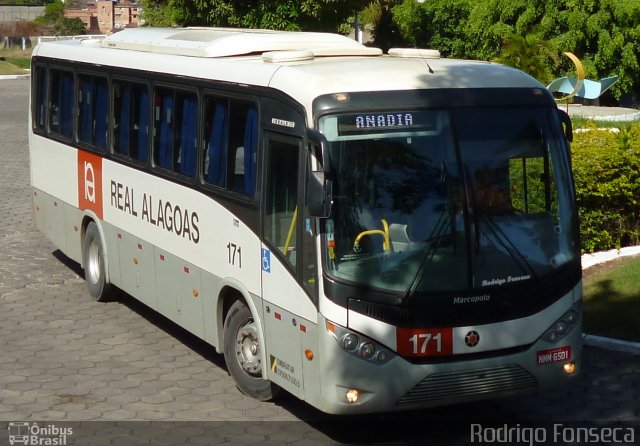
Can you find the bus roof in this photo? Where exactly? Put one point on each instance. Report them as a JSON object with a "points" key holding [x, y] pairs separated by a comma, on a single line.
{"points": [[302, 65], [225, 42]]}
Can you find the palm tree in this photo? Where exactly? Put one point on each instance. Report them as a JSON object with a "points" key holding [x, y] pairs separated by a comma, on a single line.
{"points": [[531, 54]]}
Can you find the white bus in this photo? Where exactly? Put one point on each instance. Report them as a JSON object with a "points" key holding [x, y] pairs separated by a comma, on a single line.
{"points": [[370, 232]]}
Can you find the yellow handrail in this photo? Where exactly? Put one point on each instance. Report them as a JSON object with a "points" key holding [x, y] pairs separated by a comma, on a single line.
{"points": [[292, 228], [386, 243]]}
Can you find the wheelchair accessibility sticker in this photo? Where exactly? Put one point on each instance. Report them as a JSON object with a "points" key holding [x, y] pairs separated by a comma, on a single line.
{"points": [[266, 260]]}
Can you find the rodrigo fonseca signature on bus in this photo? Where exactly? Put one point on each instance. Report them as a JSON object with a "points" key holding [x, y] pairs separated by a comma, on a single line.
{"points": [[509, 279]]}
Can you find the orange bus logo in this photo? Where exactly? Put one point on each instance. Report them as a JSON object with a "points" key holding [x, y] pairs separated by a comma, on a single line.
{"points": [[90, 182]]}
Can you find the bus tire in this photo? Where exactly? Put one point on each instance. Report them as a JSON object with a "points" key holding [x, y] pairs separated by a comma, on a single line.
{"points": [[242, 353], [94, 265]]}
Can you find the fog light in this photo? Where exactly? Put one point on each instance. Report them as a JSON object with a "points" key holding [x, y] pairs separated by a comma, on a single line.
{"points": [[352, 396], [569, 368]]}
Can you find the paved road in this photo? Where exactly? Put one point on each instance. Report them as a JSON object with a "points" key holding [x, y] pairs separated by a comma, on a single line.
{"points": [[64, 357]]}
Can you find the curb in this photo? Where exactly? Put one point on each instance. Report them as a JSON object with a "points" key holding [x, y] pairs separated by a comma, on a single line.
{"points": [[611, 344], [14, 76]]}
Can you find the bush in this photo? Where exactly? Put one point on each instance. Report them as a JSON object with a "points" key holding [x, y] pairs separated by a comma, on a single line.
{"points": [[606, 168]]}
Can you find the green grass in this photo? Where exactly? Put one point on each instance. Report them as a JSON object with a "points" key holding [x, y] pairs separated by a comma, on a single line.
{"points": [[20, 62], [612, 300], [7, 68], [16, 57], [580, 122]]}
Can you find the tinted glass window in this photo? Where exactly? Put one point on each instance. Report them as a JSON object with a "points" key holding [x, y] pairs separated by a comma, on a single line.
{"points": [[131, 120], [175, 129], [93, 106], [61, 102], [40, 100], [230, 144]]}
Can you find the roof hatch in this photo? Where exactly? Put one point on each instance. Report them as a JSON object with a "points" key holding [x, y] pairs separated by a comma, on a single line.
{"points": [[228, 42]]}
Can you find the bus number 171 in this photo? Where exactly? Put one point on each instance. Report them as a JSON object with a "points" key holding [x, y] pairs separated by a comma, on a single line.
{"points": [[424, 342], [235, 254]]}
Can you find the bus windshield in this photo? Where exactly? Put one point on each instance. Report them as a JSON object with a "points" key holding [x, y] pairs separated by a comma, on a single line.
{"points": [[437, 201]]}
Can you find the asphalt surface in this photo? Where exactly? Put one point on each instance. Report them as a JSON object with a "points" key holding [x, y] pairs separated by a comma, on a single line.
{"points": [[119, 373]]}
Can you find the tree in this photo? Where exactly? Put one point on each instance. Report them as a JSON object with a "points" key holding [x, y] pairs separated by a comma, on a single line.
{"points": [[604, 34], [531, 54], [386, 33], [308, 15], [437, 24], [54, 19]]}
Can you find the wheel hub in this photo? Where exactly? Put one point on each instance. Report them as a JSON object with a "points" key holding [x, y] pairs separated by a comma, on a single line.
{"points": [[248, 349], [93, 262]]}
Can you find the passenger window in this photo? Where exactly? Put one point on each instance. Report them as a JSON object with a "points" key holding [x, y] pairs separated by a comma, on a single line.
{"points": [[61, 103], [175, 129], [40, 98], [131, 120], [215, 140], [230, 137], [93, 104], [243, 145]]}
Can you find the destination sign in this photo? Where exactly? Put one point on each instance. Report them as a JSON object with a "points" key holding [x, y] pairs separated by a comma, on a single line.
{"points": [[362, 123]]}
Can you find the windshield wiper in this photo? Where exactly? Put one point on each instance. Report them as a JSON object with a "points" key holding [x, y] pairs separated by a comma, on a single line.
{"points": [[434, 241], [511, 248]]}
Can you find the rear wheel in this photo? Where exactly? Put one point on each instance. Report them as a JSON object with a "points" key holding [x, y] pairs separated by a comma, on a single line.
{"points": [[94, 265], [243, 353]]}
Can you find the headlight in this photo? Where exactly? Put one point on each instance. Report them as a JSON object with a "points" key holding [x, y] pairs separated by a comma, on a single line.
{"points": [[564, 325], [359, 345], [350, 342]]}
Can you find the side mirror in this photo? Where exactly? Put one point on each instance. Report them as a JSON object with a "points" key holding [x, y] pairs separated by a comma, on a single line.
{"points": [[318, 197], [565, 120], [319, 194]]}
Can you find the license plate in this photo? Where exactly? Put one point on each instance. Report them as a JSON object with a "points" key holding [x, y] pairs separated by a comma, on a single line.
{"points": [[424, 342], [559, 354]]}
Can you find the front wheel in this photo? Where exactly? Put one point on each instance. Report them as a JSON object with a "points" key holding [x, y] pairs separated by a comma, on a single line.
{"points": [[243, 353], [94, 265]]}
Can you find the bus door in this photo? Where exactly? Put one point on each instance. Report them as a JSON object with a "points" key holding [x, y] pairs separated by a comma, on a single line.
{"points": [[287, 308]]}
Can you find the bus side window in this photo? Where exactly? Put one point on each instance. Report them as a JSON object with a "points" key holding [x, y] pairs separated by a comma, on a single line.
{"points": [[163, 129], [186, 139], [141, 122], [131, 120], [61, 103], [175, 130], [243, 144], [40, 98], [93, 105], [215, 140]]}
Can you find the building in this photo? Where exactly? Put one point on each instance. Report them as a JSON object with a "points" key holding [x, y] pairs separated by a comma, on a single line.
{"points": [[106, 16], [12, 14]]}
